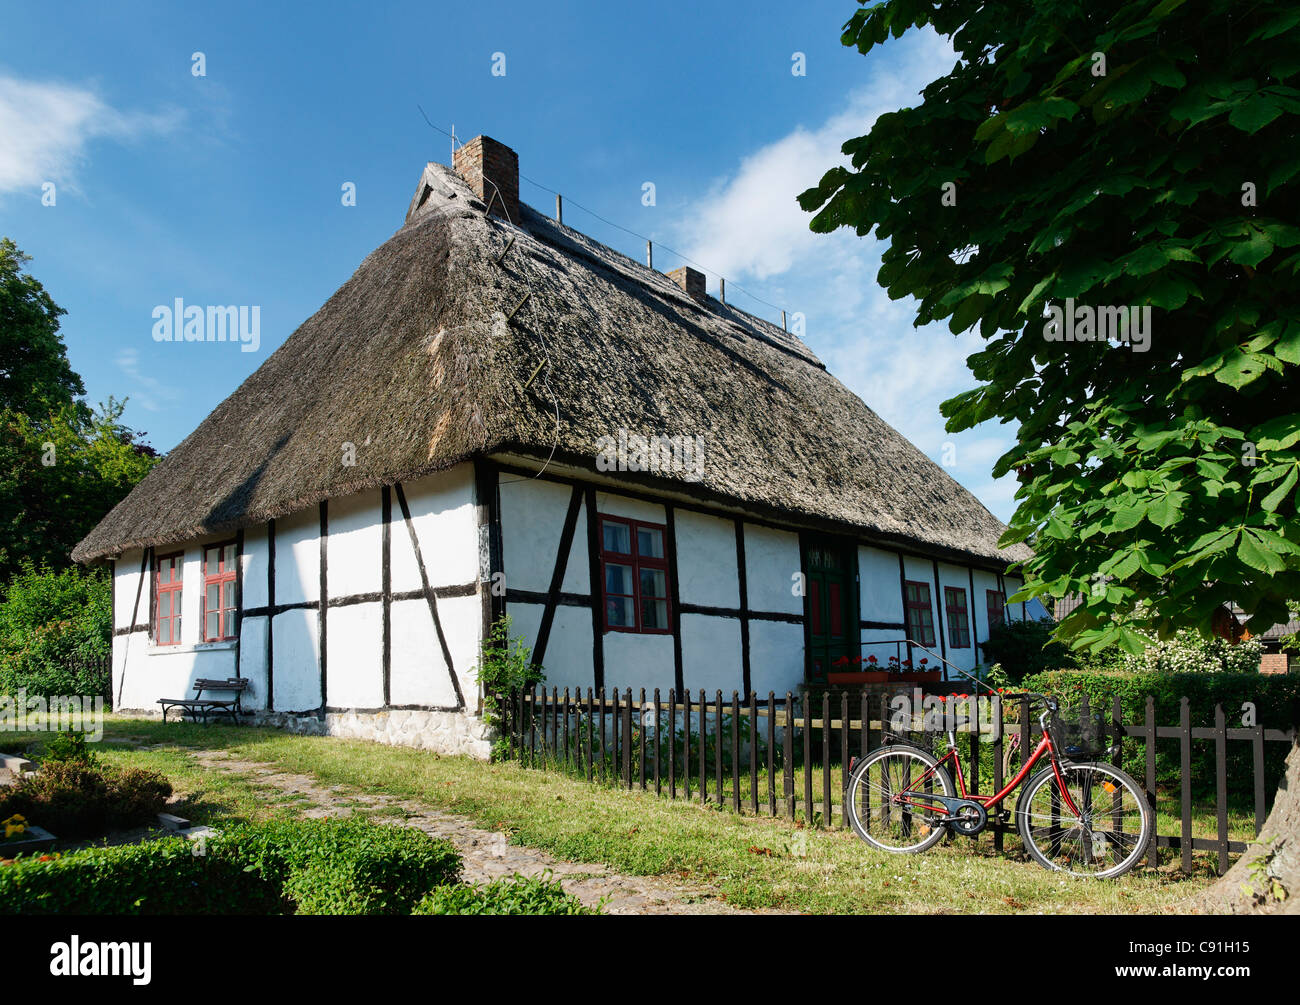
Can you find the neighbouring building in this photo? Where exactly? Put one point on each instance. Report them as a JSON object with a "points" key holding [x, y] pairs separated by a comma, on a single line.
{"points": [[496, 414]]}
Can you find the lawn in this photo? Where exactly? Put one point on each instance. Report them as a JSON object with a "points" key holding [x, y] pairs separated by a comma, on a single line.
{"points": [[749, 861]]}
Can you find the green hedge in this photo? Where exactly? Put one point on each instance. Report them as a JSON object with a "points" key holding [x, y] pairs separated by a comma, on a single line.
{"points": [[535, 895], [306, 867], [1276, 700]]}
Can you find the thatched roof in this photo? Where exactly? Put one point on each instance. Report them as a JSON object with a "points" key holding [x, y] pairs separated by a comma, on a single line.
{"points": [[414, 361]]}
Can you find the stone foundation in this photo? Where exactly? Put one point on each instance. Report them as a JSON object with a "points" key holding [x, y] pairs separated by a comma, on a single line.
{"points": [[441, 732]]}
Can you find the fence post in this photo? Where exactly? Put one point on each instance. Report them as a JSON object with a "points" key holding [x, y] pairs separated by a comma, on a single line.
{"points": [[844, 758], [1221, 783], [827, 819], [974, 726], [627, 740], [771, 753], [735, 751], [566, 727], [645, 736], [616, 761], [510, 724], [659, 785], [999, 753], [787, 741], [1153, 859], [704, 747], [591, 707], [753, 752], [1185, 764], [672, 743], [806, 716], [600, 728], [1257, 743], [532, 726], [718, 741], [686, 743]]}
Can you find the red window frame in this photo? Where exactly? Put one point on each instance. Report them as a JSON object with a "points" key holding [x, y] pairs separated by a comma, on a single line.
{"points": [[638, 562], [220, 575], [916, 601], [173, 586], [996, 607], [954, 602]]}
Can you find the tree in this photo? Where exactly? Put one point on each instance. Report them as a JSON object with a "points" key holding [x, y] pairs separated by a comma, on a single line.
{"points": [[59, 475], [1136, 160], [35, 376], [1110, 155]]}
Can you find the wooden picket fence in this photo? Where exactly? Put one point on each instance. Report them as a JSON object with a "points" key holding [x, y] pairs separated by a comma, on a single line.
{"points": [[763, 756]]}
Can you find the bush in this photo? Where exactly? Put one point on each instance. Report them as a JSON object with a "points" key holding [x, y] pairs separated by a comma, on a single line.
{"points": [[505, 664], [75, 799], [55, 633], [1190, 652], [536, 895], [303, 866], [1022, 648], [1275, 699]]}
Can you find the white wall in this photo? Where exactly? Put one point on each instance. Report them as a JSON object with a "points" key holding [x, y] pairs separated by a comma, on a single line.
{"points": [[771, 563], [706, 560]]}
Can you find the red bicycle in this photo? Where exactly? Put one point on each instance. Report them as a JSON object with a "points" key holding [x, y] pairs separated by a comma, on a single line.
{"points": [[1085, 819]]}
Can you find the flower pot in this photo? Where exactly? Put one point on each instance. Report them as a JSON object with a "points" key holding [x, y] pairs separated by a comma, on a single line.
{"points": [[915, 676], [857, 677]]}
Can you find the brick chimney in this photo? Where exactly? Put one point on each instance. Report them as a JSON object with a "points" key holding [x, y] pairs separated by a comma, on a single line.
{"points": [[492, 170], [691, 280]]}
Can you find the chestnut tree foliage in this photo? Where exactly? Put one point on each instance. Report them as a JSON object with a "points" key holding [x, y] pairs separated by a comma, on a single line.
{"points": [[1121, 154]]}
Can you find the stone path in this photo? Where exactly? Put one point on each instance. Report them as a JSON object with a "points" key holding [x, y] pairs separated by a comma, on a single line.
{"points": [[487, 854]]}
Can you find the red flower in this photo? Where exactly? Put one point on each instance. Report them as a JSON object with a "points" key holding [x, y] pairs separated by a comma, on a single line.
{"points": [[842, 661], [924, 662], [871, 659]]}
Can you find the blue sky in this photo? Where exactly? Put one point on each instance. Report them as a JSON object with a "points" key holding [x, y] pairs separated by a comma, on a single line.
{"points": [[225, 188]]}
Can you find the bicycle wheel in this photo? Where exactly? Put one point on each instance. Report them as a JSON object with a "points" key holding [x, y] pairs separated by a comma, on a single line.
{"points": [[1104, 839], [879, 811]]}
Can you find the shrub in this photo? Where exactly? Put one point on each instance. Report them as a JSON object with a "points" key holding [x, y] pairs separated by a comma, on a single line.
{"points": [[157, 877], [1274, 697], [55, 633], [307, 866], [505, 664], [1190, 652], [535, 895], [1025, 647], [75, 799], [69, 746]]}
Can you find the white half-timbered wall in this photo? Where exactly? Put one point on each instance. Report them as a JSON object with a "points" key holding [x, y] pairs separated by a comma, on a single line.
{"points": [[738, 614], [736, 628], [281, 637]]}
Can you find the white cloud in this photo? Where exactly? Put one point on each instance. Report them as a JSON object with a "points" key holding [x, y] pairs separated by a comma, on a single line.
{"points": [[46, 127], [749, 229], [150, 393]]}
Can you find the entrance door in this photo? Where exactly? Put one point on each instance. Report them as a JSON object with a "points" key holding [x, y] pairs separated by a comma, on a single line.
{"points": [[830, 605]]}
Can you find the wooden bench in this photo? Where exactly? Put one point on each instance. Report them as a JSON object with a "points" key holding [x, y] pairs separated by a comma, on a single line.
{"points": [[199, 708]]}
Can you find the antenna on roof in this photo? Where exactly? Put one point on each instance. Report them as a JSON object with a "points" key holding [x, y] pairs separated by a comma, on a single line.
{"points": [[722, 289], [453, 141], [559, 208], [649, 255]]}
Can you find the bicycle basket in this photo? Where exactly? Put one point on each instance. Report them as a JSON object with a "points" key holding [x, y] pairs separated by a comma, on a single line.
{"points": [[1079, 736]]}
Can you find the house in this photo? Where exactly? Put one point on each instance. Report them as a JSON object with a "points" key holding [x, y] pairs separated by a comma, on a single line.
{"points": [[496, 414]]}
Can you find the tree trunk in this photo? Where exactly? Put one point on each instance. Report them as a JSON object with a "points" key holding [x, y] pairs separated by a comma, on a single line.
{"points": [[1266, 879]]}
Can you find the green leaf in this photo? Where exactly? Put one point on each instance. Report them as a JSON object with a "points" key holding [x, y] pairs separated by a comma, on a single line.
{"points": [[1273, 500]]}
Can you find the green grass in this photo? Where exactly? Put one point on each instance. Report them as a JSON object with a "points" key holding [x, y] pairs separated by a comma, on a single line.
{"points": [[751, 862]]}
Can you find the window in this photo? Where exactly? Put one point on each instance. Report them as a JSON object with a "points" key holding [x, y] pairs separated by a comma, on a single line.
{"points": [[220, 570], [996, 607], [634, 574], [167, 599], [954, 602], [920, 618]]}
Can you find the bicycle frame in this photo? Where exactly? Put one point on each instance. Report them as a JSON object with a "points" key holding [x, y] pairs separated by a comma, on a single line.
{"points": [[1045, 747]]}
